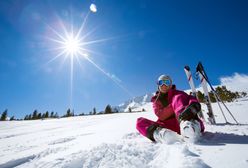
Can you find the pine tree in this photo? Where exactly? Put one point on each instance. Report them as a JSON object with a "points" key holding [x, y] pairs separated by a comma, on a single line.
{"points": [[12, 118], [52, 114], [46, 114], [94, 111], [4, 115], [39, 116], [212, 97], [108, 110], [200, 96], [26, 117], [35, 115], [68, 113]]}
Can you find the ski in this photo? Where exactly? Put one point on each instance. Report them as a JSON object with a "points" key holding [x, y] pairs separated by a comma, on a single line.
{"points": [[190, 80], [202, 76], [192, 86]]}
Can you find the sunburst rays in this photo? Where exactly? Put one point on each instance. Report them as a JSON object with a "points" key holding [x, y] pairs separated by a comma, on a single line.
{"points": [[72, 45]]}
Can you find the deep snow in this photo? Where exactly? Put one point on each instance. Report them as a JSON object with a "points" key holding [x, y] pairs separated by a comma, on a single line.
{"points": [[112, 141]]}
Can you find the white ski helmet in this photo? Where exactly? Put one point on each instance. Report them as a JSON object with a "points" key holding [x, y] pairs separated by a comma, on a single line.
{"points": [[164, 77]]}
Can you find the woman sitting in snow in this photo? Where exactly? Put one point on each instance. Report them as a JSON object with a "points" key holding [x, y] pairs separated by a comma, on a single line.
{"points": [[177, 112]]}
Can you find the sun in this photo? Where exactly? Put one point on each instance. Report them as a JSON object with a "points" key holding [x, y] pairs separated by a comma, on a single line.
{"points": [[71, 45]]}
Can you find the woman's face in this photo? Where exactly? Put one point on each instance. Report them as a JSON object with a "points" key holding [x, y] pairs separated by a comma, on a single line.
{"points": [[164, 88]]}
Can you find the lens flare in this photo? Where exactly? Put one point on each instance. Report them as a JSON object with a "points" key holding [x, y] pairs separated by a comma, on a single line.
{"points": [[93, 8]]}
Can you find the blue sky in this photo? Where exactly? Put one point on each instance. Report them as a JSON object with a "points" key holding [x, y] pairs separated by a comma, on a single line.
{"points": [[143, 39]]}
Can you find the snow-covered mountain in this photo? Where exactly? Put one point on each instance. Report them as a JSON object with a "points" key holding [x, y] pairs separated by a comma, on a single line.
{"points": [[135, 103]]}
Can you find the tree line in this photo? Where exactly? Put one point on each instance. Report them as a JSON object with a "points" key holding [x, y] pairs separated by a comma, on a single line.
{"points": [[69, 113], [224, 94]]}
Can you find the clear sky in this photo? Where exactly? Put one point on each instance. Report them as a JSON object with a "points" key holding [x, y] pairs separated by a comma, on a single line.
{"points": [[128, 45]]}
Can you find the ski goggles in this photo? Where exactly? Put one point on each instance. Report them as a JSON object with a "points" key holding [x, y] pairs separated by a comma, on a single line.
{"points": [[165, 82]]}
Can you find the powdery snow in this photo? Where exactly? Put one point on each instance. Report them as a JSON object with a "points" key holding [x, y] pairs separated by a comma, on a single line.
{"points": [[112, 141]]}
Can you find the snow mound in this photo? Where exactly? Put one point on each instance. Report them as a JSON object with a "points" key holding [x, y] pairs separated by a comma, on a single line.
{"points": [[134, 151]]}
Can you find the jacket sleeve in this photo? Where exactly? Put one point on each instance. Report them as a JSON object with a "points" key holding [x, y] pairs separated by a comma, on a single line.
{"points": [[161, 112]]}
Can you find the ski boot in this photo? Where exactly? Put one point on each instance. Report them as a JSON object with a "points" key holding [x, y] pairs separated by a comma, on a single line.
{"points": [[164, 135], [190, 130]]}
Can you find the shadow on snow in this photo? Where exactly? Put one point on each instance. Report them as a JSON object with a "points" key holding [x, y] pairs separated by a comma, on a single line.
{"points": [[218, 138]]}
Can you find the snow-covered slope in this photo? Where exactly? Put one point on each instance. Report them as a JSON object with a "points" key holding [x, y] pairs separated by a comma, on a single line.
{"points": [[112, 141]]}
